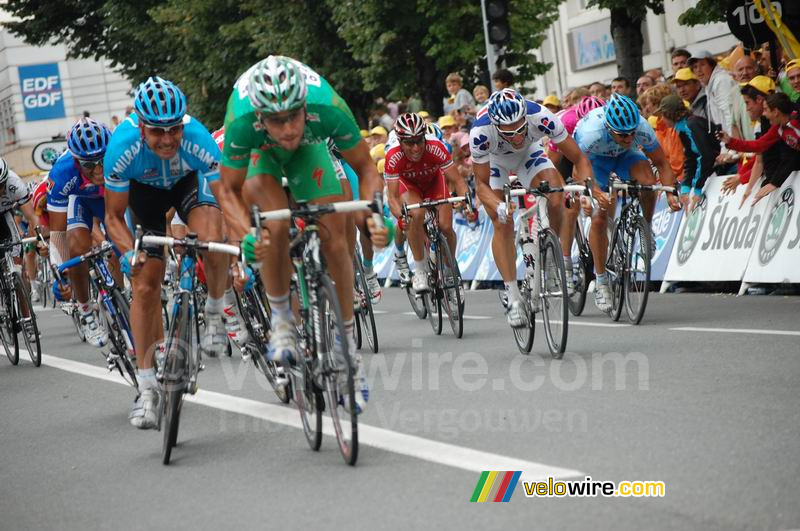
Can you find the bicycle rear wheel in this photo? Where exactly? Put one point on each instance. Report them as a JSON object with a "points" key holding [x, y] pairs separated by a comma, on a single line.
{"points": [[555, 303], [338, 380], [365, 313], [524, 335], [175, 377], [118, 329], [637, 269], [582, 272], [616, 268], [450, 280], [27, 324], [8, 335], [417, 303]]}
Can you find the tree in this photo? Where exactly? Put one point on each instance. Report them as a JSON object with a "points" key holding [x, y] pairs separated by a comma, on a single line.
{"points": [[705, 12], [627, 17]]}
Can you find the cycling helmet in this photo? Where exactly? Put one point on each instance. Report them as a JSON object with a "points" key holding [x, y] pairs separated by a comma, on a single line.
{"points": [[3, 171], [621, 114], [506, 106], [409, 125], [88, 139], [276, 84], [588, 103], [435, 130], [159, 102]]}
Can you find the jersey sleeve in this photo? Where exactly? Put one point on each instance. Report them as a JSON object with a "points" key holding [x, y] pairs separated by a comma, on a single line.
{"points": [[393, 163], [646, 136], [204, 151], [479, 145], [340, 124], [118, 158], [16, 189], [240, 136]]}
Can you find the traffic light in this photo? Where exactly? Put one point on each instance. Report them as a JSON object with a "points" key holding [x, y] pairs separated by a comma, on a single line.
{"points": [[497, 21]]}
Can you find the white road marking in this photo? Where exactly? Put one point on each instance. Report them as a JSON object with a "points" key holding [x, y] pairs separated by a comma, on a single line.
{"points": [[467, 317], [737, 331], [391, 441], [573, 322]]}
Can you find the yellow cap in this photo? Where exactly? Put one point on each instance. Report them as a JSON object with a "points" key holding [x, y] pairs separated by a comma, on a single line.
{"points": [[447, 121], [381, 165], [378, 151], [791, 65], [552, 99], [762, 84], [364, 133], [653, 121], [684, 74], [424, 114], [378, 131]]}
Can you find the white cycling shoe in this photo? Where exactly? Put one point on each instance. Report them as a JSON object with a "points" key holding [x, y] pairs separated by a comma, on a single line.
{"points": [[215, 339], [420, 282], [516, 315], [144, 414], [95, 335], [602, 297]]}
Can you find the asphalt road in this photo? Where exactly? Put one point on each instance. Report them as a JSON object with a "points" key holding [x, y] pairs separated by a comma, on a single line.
{"points": [[702, 396]]}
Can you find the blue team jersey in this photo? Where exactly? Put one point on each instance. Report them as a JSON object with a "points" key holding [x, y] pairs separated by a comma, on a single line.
{"points": [[594, 138], [66, 180], [129, 159]]}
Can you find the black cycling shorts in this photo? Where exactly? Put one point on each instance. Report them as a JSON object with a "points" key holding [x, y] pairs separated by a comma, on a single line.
{"points": [[149, 206]]}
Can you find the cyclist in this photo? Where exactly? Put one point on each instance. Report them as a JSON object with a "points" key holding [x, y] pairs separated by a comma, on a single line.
{"points": [[13, 192], [74, 201], [280, 116], [39, 204], [160, 157], [612, 136], [506, 138], [417, 167]]}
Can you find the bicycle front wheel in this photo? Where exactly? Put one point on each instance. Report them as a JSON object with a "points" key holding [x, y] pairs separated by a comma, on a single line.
{"points": [[450, 281], [524, 335], [8, 334], [555, 299], [175, 380], [29, 329], [582, 272], [365, 312], [637, 269], [338, 370], [119, 328], [616, 269]]}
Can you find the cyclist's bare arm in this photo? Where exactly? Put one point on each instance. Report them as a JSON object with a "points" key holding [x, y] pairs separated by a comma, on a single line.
{"points": [[395, 202], [583, 168], [659, 160], [456, 181], [30, 215], [228, 191], [117, 228], [485, 192]]}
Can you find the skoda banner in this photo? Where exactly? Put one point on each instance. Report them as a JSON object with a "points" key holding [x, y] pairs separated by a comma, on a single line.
{"points": [[715, 240], [776, 252]]}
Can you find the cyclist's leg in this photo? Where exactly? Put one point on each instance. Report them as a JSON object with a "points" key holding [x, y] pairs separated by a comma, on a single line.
{"points": [[637, 166], [438, 189], [598, 234], [537, 167], [416, 226], [503, 245]]}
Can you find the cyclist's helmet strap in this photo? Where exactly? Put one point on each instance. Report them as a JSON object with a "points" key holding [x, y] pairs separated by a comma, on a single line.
{"points": [[276, 84], [410, 125], [88, 139], [506, 106], [159, 102], [621, 114]]}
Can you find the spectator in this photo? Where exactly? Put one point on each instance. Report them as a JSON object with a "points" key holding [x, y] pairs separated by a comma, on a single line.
{"points": [[552, 103], [680, 59], [670, 142], [502, 79], [378, 152], [700, 149], [689, 89], [481, 94], [448, 126], [576, 95], [754, 93], [381, 117], [128, 110], [464, 117], [790, 80], [620, 85], [644, 83], [598, 90], [364, 134], [114, 122], [784, 131], [459, 96], [377, 135], [718, 84], [426, 116], [657, 75], [744, 70]]}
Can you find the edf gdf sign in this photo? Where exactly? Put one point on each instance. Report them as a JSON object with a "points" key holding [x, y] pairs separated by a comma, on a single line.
{"points": [[42, 97]]}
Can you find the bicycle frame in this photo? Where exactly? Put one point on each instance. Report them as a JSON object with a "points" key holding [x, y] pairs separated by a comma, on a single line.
{"points": [[185, 292]]}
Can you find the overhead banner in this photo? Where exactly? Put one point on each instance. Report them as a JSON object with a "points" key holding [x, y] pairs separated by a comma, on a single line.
{"points": [[42, 96], [776, 252], [715, 240]]}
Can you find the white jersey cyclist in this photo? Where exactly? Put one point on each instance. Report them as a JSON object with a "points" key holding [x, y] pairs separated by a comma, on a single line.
{"points": [[488, 144]]}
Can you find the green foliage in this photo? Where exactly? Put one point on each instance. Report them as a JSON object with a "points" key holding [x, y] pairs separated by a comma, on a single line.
{"points": [[706, 11]]}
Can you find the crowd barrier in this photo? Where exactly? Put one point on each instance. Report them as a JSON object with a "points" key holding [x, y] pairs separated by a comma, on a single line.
{"points": [[718, 241]]}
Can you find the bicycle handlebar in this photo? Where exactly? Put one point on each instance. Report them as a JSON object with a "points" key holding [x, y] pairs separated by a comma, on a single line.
{"points": [[214, 247], [616, 185], [314, 211], [103, 249]]}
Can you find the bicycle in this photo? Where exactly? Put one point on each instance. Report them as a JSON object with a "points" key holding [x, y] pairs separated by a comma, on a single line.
{"points": [[444, 277], [324, 369], [44, 278], [630, 251], [362, 305], [543, 287], [582, 267], [114, 307], [14, 299]]}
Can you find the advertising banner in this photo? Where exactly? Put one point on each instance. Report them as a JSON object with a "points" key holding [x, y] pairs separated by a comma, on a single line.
{"points": [[42, 97]]}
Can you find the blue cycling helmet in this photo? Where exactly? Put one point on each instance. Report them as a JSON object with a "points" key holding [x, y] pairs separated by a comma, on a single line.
{"points": [[435, 130], [621, 114], [159, 102], [88, 139], [506, 106]]}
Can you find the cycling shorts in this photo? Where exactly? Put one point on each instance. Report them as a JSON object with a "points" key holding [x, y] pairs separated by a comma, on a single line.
{"points": [[82, 210], [526, 164], [602, 166], [434, 189], [309, 170]]}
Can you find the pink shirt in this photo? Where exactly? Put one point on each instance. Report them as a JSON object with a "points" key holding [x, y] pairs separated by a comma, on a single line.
{"points": [[569, 117]]}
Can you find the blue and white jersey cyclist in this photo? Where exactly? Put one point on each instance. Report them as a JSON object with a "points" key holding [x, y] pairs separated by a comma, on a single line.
{"points": [[158, 159], [74, 201], [618, 139], [506, 139]]}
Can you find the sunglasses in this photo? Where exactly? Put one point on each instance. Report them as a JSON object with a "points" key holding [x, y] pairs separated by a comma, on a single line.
{"points": [[272, 119], [521, 130], [413, 141], [623, 135], [90, 164], [158, 130]]}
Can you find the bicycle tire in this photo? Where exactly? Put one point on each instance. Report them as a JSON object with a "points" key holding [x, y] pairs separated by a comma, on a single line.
{"points": [[637, 280], [309, 401], [555, 303], [7, 332], [174, 381], [123, 322], [35, 349], [433, 308], [366, 313], [450, 281], [524, 335], [582, 272], [417, 303], [328, 307], [615, 267]]}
